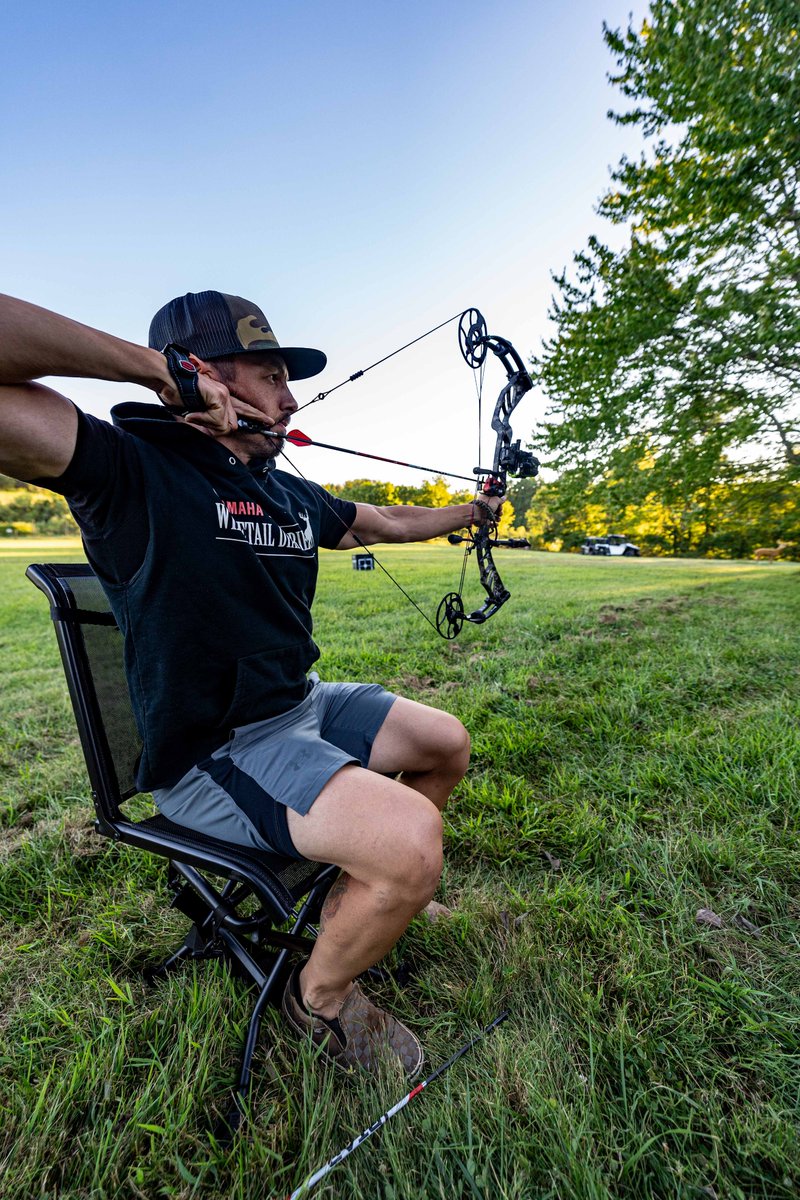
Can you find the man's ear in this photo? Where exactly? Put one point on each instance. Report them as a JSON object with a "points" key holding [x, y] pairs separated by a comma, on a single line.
{"points": [[203, 368], [223, 372]]}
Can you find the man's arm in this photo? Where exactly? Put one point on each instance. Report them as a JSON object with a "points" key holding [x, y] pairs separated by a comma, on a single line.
{"points": [[38, 426], [408, 523]]}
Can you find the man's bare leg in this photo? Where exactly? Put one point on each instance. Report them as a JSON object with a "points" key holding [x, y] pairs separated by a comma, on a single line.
{"points": [[430, 751], [429, 747], [387, 838]]}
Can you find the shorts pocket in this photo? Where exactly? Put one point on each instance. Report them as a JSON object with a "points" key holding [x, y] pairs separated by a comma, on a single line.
{"points": [[268, 683]]}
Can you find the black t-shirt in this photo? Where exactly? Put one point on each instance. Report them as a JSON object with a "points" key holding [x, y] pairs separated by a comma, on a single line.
{"points": [[210, 569], [104, 486]]}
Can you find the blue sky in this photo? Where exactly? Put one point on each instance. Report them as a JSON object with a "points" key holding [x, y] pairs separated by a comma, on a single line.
{"points": [[363, 171]]}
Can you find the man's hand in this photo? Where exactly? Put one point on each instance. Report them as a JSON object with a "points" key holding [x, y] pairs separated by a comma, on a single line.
{"points": [[218, 415], [486, 509]]}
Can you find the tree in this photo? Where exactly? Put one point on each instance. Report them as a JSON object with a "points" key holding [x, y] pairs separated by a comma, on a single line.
{"points": [[682, 350], [727, 519], [435, 493], [432, 494], [27, 509], [366, 491], [520, 498]]}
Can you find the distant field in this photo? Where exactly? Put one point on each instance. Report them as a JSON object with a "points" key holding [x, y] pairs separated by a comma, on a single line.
{"points": [[27, 548], [636, 758]]}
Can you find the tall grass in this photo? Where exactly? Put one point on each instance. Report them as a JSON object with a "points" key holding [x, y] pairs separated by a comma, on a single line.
{"points": [[635, 760]]}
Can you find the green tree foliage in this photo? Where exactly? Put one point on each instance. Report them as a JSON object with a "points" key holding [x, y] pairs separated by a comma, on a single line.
{"points": [[26, 509], [431, 493], [680, 353], [365, 491], [520, 498], [728, 518]]}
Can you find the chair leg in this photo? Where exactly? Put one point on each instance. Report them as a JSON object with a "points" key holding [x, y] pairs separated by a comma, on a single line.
{"points": [[228, 1125], [195, 946]]}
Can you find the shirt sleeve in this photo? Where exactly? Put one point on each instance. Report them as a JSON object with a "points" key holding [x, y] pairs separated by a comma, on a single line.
{"points": [[104, 488], [336, 517]]}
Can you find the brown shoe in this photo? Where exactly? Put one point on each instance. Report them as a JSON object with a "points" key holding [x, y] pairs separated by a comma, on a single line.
{"points": [[360, 1033]]}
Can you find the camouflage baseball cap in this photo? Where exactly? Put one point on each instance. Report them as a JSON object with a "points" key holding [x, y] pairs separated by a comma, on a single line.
{"points": [[213, 324]]}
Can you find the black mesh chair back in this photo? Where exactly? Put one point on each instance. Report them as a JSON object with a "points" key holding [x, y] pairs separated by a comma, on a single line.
{"points": [[91, 650], [289, 892]]}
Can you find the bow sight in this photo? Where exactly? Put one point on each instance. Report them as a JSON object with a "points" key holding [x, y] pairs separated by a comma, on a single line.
{"points": [[519, 462]]}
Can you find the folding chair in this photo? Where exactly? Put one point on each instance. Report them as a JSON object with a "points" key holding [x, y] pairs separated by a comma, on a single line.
{"points": [[256, 917]]}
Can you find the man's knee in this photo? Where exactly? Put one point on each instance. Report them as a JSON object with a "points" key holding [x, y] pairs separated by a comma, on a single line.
{"points": [[450, 744], [416, 737], [417, 866], [457, 743]]}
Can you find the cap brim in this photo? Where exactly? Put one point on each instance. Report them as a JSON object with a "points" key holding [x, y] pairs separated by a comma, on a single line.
{"points": [[301, 362]]}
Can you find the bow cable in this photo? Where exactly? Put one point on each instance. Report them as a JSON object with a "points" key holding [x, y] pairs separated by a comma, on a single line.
{"points": [[363, 545]]}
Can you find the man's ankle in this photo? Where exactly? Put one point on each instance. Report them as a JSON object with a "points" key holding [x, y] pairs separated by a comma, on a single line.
{"points": [[323, 1001]]}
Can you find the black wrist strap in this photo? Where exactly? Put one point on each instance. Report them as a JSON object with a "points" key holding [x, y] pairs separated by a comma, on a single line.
{"points": [[185, 377]]}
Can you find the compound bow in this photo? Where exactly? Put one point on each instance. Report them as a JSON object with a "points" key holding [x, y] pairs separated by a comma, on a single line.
{"points": [[475, 342]]}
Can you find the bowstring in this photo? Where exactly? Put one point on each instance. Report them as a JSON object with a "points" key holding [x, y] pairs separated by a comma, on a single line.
{"points": [[478, 377], [358, 374], [363, 545], [470, 545]]}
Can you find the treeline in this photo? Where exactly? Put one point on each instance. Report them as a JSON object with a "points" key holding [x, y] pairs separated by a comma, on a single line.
{"points": [[430, 494], [28, 510], [725, 519]]}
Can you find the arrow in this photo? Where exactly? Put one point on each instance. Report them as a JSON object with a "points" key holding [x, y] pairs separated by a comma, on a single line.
{"points": [[314, 1179], [296, 438]]}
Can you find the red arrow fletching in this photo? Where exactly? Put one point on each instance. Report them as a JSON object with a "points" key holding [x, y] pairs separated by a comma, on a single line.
{"points": [[298, 439]]}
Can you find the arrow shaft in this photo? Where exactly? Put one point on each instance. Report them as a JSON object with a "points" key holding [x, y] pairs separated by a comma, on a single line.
{"points": [[312, 1180], [301, 439], [397, 461]]}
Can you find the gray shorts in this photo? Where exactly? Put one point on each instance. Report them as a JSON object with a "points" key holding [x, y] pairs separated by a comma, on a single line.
{"points": [[241, 792]]}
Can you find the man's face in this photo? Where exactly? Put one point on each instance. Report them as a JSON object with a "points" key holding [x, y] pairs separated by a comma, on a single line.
{"points": [[258, 384]]}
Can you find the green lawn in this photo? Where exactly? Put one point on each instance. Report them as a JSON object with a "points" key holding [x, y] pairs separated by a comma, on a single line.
{"points": [[635, 759]]}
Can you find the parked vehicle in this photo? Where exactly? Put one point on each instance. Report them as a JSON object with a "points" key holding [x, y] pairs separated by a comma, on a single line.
{"points": [[612, 543]]}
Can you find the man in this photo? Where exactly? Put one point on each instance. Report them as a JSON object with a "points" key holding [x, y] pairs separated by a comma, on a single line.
{"points": [[208, 554]]}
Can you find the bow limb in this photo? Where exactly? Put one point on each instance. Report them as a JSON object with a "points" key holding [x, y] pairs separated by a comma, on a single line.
{"points": [[509, 459], [496, 591]]}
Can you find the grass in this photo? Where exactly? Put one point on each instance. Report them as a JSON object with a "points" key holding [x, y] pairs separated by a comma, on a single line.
{"points": [[635, 759]]}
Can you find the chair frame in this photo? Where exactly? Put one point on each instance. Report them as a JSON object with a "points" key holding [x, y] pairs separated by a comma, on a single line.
{"points": [[290, 894]]}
